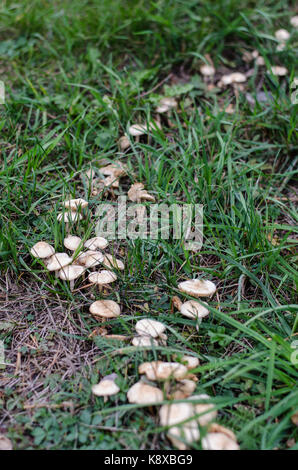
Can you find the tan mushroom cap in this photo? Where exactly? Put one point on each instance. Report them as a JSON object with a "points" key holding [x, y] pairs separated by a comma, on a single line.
{"points": [[102, 277], [69, 217], [294, 418], [105, 309], [235, 77], [75, 204], [165, 104], [124, 143], [197, 288], [191, 361], [209, 413], [174, 414], [115, 169], [111, 262], [207, 70], [150, 327], [294, 21], [158, 370], [183, 389], [42, 250], [96, 243], [71, 272], [144, 394], [137, 193], [105, 388], [140, 129], [72, 242], [279, 70], [282, 35], [144, 341], [5, 443], [90, 258], [193, 309], [58, 261], [218, 441]]}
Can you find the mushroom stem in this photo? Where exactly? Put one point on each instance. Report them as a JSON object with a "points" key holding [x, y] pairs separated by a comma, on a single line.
{"points": [[71, 285], [199, 321], [57, 273]]}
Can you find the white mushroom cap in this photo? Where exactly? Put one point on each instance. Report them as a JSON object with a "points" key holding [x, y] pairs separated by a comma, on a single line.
{"points": [[183, 389], [294, 21], [199, 408], [193, 309], [279, 71], [238, 77], [226, 79], [140, 129], [71, 272], [260, 60], [58, 261], [69, 217], [197, 287], [191, 361], [111, 262], [105, 388], [75, 204], [207, 70], [5, 443], [42, 250], [105, 309], [174, 414], [124, 143], [144, 394], [150, 327], [72, 243], [282, 35], [102, 277], [90, 258], [144, 341], [158, 370], [218, 441], [96, 243], [166, 104]]}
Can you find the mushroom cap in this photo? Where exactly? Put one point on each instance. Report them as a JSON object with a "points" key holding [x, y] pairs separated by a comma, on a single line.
{"points": [[90, 258], [69, 217], [176, 413], [115, 169], [105, 309], [193, 309], [143, 340], [42, 250], [102, 277], [191, 361], [199, 408], [282, 35], [183, 389], [158, 370], [72, 242], [197, 288], [105, 388], [165, 104], [137, 193], [294, 418], [71, 272], [150, 327], [96, 243], [111, 262], [218, 441], [207, 70], [294, 21], [143, 394], [140, 129], [75, 204], [58, 261], [124, 143], [238, 77], [279, 71], [5, 443]]}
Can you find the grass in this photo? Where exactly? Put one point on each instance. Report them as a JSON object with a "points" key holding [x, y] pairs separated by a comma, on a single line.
{"points": [[62, 70]]}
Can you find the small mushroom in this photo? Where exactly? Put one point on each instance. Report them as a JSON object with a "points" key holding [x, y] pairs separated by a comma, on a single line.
{"points": [[104, 309], [111, 262], [220, 438], [183, 389], [294, 418], [105, 388], [141, 129], [183, 430], [69, 217], [144, 341], [116, 169], [144, 394], [197, 288], [96, 243], [294, 21], [70, 273], [166, 104], [90, 259], [102, 278], [72, 243], [206, 411], [150, 327], [158, 370], [42, 250], [193, 309], [279, 71], [282, 35], [191, 361], [137, 193], [123, 143], [75, 204], [5, 443], [58, 261], [207, 70]]}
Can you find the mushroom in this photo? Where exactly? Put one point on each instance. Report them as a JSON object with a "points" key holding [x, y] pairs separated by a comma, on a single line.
{"points": [[70, 273], [75, 204], [193, 309], [140, 129], [206, 411], [69, 217], [294, 418], [166, 104], [105, 388], [279, 71], [183, 389], [191, 361], [220, 439], [116, 169], [282, 35], [183, 430], [104, 309], [42, 250], [144, 394], [57, 262], [158, 370], [96, 243], [207, 70], [137, 193], [89, 259], [5, 443], [123, 143], [102, 278], [150, 327], [197, 288], [144, 341], [111, 262], [72, 243], [294, 21]]}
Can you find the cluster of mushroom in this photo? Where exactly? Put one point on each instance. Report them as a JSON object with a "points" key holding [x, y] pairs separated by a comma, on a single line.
{"points": [[73, 210]]}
